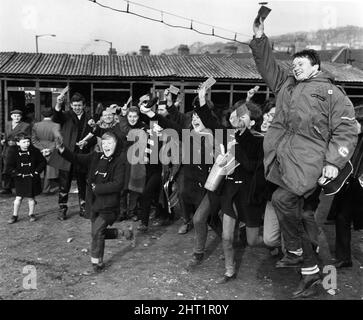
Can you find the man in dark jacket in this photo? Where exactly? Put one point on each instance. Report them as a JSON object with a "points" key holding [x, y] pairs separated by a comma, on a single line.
{"points": [[73, 129], [12, 128], [312, 135]]}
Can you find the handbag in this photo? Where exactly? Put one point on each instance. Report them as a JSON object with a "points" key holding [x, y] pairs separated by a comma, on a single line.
{"points": [[331, 187], [171, 194], [218, 171]]}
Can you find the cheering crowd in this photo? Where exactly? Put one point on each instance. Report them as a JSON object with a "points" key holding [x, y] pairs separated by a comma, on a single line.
{"points": [[259, 177]]}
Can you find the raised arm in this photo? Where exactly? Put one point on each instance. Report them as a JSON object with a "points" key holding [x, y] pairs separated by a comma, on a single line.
{"points": [[272, 73], [83, 159], [58, 116]]}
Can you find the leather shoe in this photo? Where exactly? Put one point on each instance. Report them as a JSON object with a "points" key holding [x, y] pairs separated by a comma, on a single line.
{"points": [[98, 267], [307, 286], [184, 228], [82, 210], [197, 259], [226, 278], [142, 228], [62, 214], [13, 219], [5, 191], [343, 264], [289, 260]]}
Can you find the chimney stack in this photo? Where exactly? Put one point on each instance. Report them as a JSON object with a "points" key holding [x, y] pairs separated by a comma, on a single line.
{"points": [[144, 51], [183, 50], [112, 52]]}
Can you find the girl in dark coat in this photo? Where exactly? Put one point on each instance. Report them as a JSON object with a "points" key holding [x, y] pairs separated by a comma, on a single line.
{"points": [[105, 179], [244, 187], [25, 165], [134, 173], [193, 176]]}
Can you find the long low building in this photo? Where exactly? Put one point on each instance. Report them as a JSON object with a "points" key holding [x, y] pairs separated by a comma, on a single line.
{"points": [[37, 78]]}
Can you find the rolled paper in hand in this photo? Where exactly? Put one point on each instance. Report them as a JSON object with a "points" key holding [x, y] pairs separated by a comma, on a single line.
{"points": [[206, 84], [218, 172], [263, 12], [128, 101], [173, 90], [144, 98], [64, 91]]}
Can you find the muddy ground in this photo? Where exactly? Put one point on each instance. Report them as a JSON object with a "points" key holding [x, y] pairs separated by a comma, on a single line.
{"points": [[153, 269]]}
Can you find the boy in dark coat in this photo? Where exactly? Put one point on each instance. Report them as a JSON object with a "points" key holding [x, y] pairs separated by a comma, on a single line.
{"points": [[25, 163], [105, 180]]}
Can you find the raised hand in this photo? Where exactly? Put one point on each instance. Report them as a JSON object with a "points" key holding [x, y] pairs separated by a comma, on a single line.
{"points": [[201, 94], [91, 123], [258, 27], [251, 93], [168, 98]]}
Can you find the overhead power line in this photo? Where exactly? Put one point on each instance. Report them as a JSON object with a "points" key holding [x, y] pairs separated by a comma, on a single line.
{"points": [[161, 20]]}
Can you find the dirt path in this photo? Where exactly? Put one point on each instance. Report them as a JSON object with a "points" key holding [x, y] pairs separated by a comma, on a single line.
{"points": [[153, 269]]}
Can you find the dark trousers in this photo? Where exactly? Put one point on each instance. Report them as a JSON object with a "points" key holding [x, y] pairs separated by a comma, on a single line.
{"points": [[206, 214], [7, 181], [129, 203], [100, 233], [186, 209], [289, 210], [347, 203], [65, 180], [151, 193], [188, 201]]}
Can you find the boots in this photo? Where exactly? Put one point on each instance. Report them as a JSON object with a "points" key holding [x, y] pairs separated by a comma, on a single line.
{"points": [[308, 286], [62, 213], [290, 260], [82, 210]]}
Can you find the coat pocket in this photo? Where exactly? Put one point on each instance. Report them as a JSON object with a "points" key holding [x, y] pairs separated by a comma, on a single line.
{"points": [[321, 98]]}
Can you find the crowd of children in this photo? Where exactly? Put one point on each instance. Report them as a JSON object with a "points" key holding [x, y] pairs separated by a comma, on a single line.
{"points": [[239, 172]]}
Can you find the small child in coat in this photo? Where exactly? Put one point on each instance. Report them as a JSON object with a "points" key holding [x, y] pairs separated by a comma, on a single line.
{"points": [[25, 165], [105, 180]]}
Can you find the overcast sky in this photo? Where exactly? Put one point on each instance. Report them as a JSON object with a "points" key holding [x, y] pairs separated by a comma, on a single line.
{"points": [[77, 23]]}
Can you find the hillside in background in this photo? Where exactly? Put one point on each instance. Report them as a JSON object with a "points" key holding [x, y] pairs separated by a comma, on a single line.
{"points": [[350, 36]]}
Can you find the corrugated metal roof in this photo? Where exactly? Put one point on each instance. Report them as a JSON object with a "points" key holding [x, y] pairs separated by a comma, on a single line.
{"points": [[156, 66]]}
